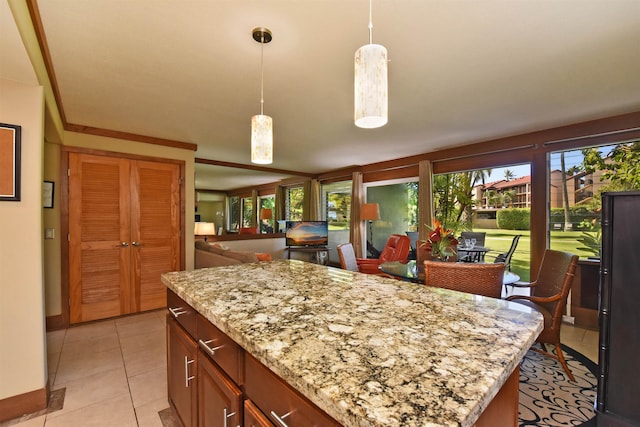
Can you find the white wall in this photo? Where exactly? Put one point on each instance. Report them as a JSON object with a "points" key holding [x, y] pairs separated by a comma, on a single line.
{"points": [[22, 329]]}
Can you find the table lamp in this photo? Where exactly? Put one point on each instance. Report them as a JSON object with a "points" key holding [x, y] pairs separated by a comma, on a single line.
{"points": [[204, 229]]}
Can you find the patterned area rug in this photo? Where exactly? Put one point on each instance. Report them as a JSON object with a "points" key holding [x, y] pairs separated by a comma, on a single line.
{"points": [[549, 399]]}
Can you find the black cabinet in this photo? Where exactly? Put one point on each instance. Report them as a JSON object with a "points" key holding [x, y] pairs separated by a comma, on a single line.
{"points": [[619, 312]]}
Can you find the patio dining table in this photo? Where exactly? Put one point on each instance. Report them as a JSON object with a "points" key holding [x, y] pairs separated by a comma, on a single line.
{"points": [[472, 254]]}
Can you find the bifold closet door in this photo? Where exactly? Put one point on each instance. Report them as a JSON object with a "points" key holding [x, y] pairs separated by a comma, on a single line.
{"points": [[155, 231], [99, 237], [124, 225]]}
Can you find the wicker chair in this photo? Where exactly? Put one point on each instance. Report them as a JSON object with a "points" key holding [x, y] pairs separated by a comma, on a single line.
{"points": [[549, 297], [347, 257], [474, 278]]}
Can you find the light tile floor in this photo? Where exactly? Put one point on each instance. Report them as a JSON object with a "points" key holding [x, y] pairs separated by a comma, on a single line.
{"points": [[114, 371]]}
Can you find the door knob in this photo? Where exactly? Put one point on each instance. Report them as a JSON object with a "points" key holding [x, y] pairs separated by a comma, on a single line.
{"points": [[136, 244], [122, 245]]}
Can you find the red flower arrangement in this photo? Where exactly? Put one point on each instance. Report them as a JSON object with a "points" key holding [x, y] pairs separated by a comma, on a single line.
{"points": [[441, 242]]}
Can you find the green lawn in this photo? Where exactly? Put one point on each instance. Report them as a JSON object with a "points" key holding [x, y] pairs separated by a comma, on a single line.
{"points": [[499, 241]]}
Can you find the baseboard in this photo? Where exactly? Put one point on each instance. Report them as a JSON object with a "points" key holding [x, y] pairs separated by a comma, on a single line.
{"points": [[22, 404], [55, 323]]}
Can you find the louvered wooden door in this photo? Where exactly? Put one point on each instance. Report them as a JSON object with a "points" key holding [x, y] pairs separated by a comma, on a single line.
{"points": [[123, 233], [155, 232]]}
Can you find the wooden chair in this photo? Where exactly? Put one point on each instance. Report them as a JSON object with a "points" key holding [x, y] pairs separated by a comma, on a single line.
{"points": [[347, 257], [549, 296], [396, 249], [473, 278]]}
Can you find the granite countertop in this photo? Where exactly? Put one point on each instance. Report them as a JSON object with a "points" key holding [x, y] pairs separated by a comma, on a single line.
{"points": [[368, 350]]}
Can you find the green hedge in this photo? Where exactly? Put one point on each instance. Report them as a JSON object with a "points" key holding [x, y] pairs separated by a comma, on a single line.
{"points": [[514, 219], [580, 217]]}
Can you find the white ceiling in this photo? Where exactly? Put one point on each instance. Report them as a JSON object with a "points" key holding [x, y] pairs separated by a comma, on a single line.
{"points": [[460, 71]]}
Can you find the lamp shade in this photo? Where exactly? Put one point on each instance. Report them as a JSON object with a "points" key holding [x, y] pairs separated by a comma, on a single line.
{"points": [[261, 139], [370, 212], [266, 214], [370, 86], [204, 229]]}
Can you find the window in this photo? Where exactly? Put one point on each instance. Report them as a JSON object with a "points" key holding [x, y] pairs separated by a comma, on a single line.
{"points": [[577, 179], [234, 213], [293, 203], [398, 204], [336, 204], [496, 202], [247, 211], [267, 205]]}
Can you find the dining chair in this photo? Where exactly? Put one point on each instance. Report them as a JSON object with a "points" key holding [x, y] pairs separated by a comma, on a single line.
{"points": [[472, 256], [549, 294], [396, 249], [347, 257], [506, 256], [473, 278]]}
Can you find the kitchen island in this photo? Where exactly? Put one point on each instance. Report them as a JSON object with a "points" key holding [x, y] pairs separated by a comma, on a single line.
{"points": [[367, 350]]}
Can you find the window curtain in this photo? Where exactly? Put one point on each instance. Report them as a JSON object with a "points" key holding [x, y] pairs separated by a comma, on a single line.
{"points": [[357, 226], [311, 200], [425, 198], [278, 215]]}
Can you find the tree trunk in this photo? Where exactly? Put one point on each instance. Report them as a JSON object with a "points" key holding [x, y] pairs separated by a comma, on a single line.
{"points": [[565, 194]]}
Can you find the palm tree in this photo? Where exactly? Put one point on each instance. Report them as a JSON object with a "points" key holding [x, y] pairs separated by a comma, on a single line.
{"points": [[509, 175], [565, 193]]}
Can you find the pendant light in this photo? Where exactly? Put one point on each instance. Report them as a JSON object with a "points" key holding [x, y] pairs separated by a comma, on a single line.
{"points": [[261, 125], [371, 95]]}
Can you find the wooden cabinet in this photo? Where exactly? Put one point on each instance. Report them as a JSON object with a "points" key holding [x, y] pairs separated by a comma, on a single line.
{"points": [[206, 371], [124, 231], [219, 399], [278, 401], [618, 385], [253, 417], [182, 365]]}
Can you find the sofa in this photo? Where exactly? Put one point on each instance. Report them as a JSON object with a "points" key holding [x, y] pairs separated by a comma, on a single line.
{"points": [[216, 254]]}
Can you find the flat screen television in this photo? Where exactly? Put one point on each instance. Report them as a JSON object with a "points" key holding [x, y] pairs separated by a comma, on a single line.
{"points": [[307, 233]]}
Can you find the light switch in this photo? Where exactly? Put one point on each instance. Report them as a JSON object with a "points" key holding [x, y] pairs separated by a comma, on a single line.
{"points": [[49, 233]]}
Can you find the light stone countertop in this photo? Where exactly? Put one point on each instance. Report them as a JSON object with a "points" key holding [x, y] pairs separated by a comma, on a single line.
{"points": [[368, 350]]}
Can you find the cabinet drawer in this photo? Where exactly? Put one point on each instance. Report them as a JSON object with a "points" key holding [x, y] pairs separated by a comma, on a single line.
{"points": [[276, 398], [220, 348], [182, 312], [253, 417]]}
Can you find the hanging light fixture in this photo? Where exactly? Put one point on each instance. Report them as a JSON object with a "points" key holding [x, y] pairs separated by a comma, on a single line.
{"points": [[371, 95], [261, 125]]}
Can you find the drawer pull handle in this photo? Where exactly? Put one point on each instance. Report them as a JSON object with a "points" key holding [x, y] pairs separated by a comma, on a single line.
{"points": [[177, 311], [279, 420], [187, 378], [227, 416], [205, 346]]}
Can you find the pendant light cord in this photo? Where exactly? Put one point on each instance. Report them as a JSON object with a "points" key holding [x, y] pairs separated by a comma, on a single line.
{"points": [[262, 74], [370, 24]]}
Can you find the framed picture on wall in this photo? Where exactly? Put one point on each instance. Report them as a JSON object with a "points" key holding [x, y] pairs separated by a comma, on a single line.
{"points": [[9, 162], [48, 188]]}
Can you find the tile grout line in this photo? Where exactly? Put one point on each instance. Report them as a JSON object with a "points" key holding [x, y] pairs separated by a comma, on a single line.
{"points": [[126, 375]]}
